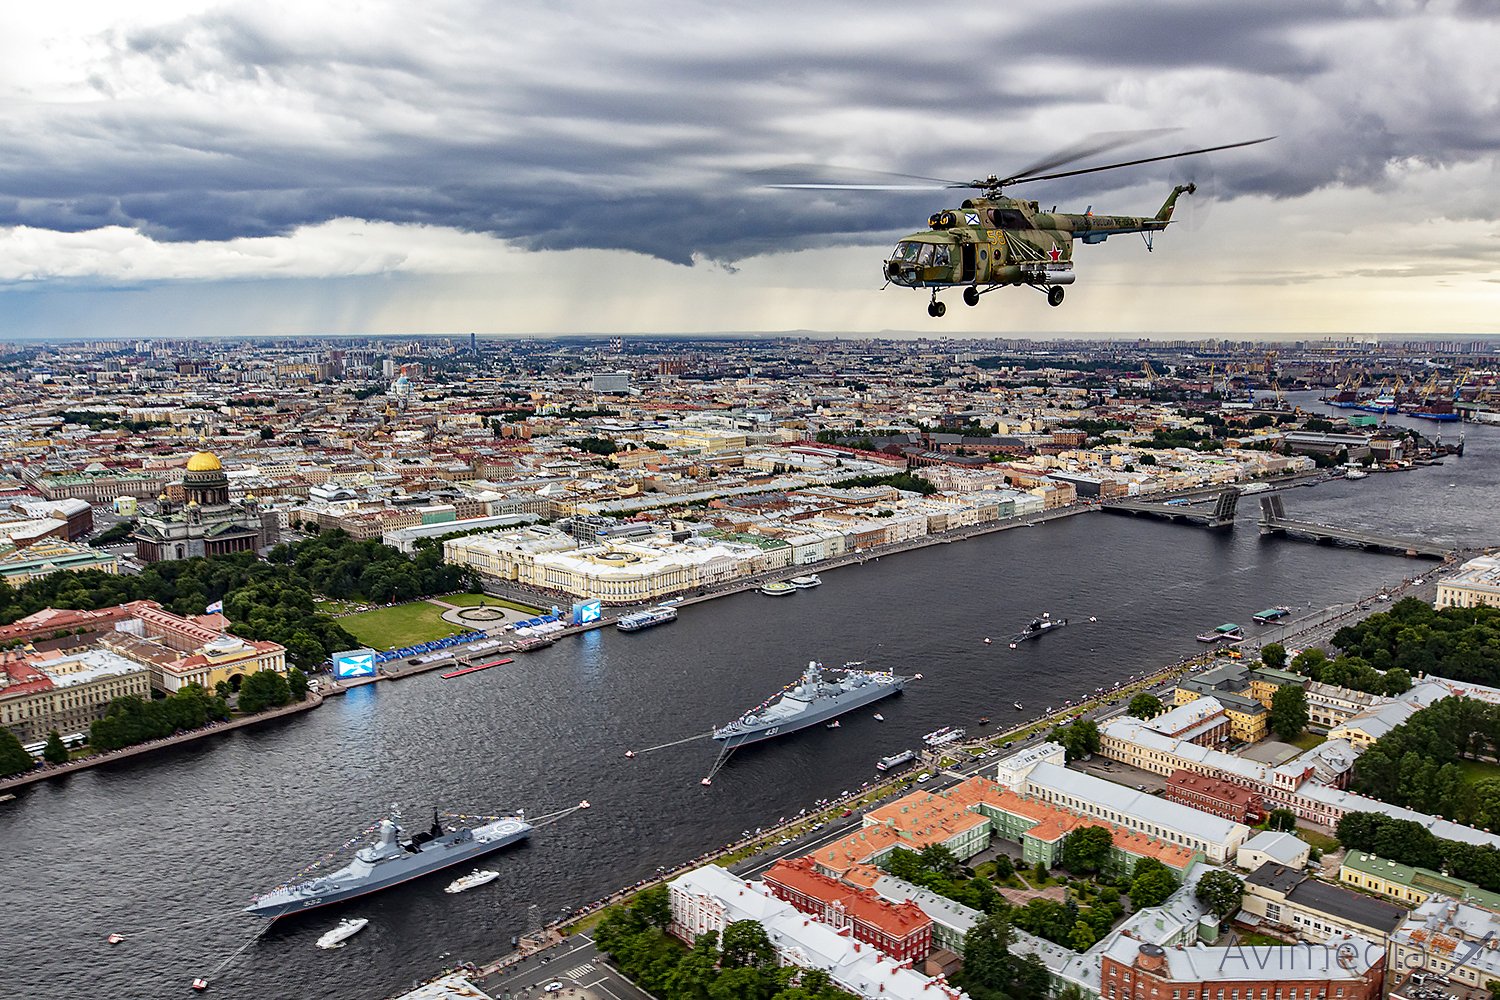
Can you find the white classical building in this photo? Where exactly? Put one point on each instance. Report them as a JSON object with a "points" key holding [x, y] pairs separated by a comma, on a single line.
{"points": [[1083, 793], [1476, 583], [711, 898]]}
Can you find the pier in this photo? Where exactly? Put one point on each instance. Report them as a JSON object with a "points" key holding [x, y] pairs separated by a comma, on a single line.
{"points": [[1273, 521]]}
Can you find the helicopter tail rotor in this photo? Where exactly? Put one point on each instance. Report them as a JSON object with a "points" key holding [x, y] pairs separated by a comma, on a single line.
{"points": [[1198, 176]]}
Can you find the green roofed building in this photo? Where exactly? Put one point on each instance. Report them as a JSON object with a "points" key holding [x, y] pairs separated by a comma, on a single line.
{"points": [[1407, 883]]}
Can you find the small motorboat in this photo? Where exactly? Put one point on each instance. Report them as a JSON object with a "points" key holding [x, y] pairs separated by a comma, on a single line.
{"points": [[984, 720], [986, 640], [1018, 706], [472, 880], [115, 938], [345, 930], [834, 724], [200, 984], [630, 754], [879, 717]]}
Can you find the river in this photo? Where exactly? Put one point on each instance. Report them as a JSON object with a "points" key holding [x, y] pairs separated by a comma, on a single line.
{"points": [[167, 848]]}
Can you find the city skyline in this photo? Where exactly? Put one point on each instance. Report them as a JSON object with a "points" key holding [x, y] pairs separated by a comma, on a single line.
{"points": [[191, 169]]}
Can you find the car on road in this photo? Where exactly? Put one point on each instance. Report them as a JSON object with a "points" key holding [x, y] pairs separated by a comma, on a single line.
{"points": [[553, 987], [817, 826], [783, 841], [1140, 788], [846, 812], [923, 777]]}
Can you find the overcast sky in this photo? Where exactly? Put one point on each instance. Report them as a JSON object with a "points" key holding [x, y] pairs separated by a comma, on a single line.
{"points": [[177, 168]]}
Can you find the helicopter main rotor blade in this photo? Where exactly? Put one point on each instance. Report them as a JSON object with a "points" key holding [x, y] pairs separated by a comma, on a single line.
{"points": [[866, 187], [1090, 145], [1132, 163], [814, 169]]}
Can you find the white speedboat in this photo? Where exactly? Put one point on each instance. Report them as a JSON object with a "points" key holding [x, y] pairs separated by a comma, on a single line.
{"points": [[806, 582], [472, 880], [345, 930]]}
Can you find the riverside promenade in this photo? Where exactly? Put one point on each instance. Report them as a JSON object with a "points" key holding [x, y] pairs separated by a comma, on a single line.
{"points": [[50, 771]]}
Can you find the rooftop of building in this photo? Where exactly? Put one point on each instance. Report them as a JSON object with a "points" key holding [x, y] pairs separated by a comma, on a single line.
{"points": [[1460, 932], [1346, 958], [1217, 787], [1282, 847], [1418, 878], [1336, 901], [1138, 804], [896, 919]]}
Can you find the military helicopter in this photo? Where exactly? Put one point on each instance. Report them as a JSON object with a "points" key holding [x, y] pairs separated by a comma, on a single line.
{"points": [[992, 241]]}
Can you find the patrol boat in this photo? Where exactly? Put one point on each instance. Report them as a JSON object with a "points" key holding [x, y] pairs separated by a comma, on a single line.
{"points": [[816, 697], [391, 860]]}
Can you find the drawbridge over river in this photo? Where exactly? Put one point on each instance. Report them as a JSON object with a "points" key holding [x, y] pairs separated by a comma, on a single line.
{"points": [[1273, 521]]}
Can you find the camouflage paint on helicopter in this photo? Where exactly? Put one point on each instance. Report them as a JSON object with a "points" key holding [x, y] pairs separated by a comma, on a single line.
{"points": [[987, 243], [993, 241]]}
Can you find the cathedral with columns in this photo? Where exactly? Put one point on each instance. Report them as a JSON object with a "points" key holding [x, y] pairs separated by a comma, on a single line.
{"points": [[206, 522]]}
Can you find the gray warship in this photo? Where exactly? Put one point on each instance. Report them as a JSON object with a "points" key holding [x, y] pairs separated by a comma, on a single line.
{"points": [[391, 860], [816, 697]]}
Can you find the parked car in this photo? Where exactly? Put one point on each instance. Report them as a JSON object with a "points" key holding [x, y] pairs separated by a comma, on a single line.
{"points": [[923, 777]]}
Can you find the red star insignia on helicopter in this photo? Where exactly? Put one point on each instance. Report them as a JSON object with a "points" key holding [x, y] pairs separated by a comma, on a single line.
{"points": [[1055, 253]]}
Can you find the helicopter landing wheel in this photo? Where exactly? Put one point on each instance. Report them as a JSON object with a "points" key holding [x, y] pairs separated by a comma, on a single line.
{"points": [[971, 296], [936, 308], [1055, 295]]}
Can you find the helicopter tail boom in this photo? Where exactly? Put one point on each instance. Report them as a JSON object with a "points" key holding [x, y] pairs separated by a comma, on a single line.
{"points": [[1165, 215]]}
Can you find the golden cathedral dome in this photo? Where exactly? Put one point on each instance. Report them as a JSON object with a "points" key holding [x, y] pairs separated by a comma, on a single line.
{"points": [[204, 461]]}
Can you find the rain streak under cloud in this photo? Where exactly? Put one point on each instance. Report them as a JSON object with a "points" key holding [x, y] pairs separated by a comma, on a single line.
{"points": [[478, 150]]}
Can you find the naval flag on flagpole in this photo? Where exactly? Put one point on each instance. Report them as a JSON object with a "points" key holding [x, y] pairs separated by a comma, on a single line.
{"points": [[215, 606]]}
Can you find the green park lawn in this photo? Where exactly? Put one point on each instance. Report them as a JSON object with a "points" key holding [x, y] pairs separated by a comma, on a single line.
{"points": [[1308, 740], [403, 625], [1321, 841], [1478, 770]]}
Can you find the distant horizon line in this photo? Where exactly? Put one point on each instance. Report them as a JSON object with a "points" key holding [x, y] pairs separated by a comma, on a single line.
{"points": [[773, 335]]}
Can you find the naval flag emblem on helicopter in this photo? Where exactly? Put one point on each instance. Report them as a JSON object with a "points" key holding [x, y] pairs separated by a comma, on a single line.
{"points": [[971, 218]]}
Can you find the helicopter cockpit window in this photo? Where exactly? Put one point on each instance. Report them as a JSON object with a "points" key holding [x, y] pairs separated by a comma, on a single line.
{"points": [[940, 256], [907, 251], [924, 256]]}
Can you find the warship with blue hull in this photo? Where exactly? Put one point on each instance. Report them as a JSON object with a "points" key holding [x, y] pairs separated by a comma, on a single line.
{"points": [[391, 860], [817, 697]]}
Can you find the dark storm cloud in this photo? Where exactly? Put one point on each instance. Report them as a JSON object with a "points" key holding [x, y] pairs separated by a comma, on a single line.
{"points": [[581, 127]]}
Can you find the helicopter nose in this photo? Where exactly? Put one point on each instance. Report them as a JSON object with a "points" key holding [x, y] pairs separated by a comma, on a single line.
{"points": [[893, 269]]}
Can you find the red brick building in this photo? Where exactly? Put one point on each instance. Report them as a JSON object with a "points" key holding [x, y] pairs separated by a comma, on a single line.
{"points": [[1351, 968], [901, 930], [1211, 795]]}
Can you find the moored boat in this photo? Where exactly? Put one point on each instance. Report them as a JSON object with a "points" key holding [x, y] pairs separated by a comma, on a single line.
{"points": [[896, 760], [345, 930], [817, 696], [1270, 615], [778, 589], [390, 860], [473, 880], [645, 619], [1037, 627], [806, 582], [944, 736]]}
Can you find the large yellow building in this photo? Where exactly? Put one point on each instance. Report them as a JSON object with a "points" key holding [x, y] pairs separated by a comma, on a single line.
{"points": [[40, 692], [1476, 584], [46, 556]]}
